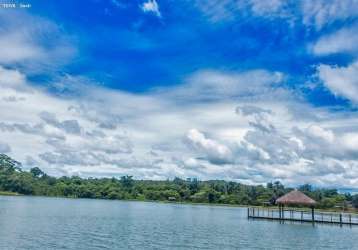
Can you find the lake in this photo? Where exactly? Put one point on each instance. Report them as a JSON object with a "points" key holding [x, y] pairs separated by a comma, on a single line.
{"points": [[82, 224]]}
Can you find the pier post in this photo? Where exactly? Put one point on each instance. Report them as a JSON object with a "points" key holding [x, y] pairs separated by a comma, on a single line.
{"points": [[279, 212], [340, 219], [283, 212], [350, 219], [312, 215], [301, 216]]}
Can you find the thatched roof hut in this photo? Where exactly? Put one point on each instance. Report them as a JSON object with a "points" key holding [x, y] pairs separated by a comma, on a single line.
{"points": [[295, 197]]}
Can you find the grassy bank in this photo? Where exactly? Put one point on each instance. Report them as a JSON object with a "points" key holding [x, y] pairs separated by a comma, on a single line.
{"points": [[7, 193], [350, 210]]}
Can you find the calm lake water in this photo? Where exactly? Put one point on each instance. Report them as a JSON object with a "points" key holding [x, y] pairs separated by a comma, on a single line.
{"points": [[81, 224]]}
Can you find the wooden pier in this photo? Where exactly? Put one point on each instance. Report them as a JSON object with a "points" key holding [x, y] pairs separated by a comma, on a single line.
{"points": [[295, 215]]}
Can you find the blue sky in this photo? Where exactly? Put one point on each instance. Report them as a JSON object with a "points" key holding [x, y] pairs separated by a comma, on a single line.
{"points": [[252, 91], [123, 47]]}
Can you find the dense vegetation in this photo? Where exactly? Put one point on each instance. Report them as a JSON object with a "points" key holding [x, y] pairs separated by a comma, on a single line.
{"points": [[36, 182]]}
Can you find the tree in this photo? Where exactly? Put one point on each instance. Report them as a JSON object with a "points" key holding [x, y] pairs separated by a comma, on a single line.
{"points": [[36, 172], [305, 188], [193, 185], [9, 164], [36, 182], [127, 181], [178, 181], [348, 196], [213, 195], [277, 185]]}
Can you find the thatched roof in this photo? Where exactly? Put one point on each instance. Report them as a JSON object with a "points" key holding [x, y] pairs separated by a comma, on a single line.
{"points": [[295, 197]]}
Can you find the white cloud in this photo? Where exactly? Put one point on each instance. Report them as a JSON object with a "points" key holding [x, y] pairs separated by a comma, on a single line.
{"points": [[228, 10], [321, 12], [12, 78], [312, 13], [318, 132], [15, 48], [250, 139], [69, 126], [151, 6], [213, 85], [274, 8], [246, 126], [341, 81], [32, 43], [342, 41], [216, 152]]}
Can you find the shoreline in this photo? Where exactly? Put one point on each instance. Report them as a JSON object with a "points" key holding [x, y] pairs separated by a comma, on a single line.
{"points": [[149, 201], [8, 193], [5, 193]]}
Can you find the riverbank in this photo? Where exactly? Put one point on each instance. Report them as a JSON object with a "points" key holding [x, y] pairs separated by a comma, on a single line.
{"points": [[7, 193], [355, 211]]}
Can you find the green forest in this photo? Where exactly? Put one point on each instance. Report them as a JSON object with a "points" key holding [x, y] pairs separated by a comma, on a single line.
{"points": [[35, 182]]}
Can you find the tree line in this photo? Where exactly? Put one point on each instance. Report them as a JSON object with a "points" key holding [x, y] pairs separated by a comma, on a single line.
{"points": [[36, 182]]}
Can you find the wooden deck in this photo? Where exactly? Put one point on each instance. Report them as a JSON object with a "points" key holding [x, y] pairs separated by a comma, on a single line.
{"points": [[302, 216]]}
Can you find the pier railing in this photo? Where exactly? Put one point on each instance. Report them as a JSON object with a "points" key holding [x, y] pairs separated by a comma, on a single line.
{"points": [[302, 216]]}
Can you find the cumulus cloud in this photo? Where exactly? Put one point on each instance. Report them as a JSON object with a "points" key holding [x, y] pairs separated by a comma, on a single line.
{"points": [[251, 110], [107, 132], [69, 126], [228, 10], [25, 40], [313, 14], [32, 129], [12, 79], [341, 81], [213, 85], [215, 125], [213, 150], [276, 147], [151, 6], [342, 41], [108, 121], [274, 8], [320, 12], [13, 99], [133, 123]]}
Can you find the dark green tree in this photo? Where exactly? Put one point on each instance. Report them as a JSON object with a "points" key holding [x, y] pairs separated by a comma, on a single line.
{"points": [[36, 172], [127, 181]]}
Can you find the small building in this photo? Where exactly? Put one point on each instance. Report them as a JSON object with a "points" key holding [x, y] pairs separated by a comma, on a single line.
{"points": [[171, 198], [295, 197]]}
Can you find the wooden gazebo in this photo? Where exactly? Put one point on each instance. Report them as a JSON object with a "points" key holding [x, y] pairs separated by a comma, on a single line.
{"points": [[295, 197]]}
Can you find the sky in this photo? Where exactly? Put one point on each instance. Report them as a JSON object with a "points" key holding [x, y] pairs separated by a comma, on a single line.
{"points": [[251, 91]]}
